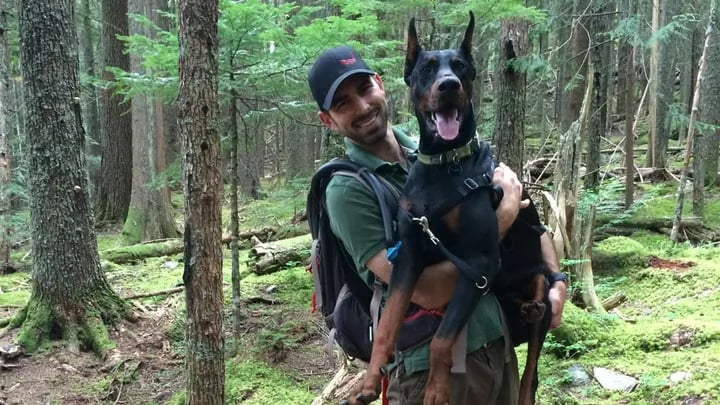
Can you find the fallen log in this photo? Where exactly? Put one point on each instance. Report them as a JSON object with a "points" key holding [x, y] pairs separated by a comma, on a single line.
{"points": [[155, 293], [266, 258], [691, 228], [340, 386], [614, 300], [169, 247]]}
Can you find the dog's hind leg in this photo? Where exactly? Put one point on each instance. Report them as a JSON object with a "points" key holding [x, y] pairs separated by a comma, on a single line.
{"points": [[406, 271], [536, 337]]}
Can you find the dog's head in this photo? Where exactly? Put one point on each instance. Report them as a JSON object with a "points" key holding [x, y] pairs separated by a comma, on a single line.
{"points": [[441, 91]]}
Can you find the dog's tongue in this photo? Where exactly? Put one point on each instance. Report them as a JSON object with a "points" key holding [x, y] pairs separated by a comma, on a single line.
{"points": [[448, 125]]}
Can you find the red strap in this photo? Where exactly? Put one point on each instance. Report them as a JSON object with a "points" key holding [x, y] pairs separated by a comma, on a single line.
{"points": [[384, 384]]}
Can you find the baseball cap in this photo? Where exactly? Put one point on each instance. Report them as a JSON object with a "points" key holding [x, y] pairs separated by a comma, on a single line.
{"points": [[330, 69]]}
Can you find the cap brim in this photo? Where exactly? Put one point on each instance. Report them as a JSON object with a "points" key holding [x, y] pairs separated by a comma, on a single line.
{"points": [[331, 92]]}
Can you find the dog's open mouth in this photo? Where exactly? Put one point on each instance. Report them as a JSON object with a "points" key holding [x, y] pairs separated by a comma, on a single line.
{"points": [[447, 123]]}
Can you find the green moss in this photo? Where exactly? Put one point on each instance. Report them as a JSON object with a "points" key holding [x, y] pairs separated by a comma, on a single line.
{"points": [[617, 253], [255, 383], [580, 332], [14, 299], [133, 228], [37, 322]]}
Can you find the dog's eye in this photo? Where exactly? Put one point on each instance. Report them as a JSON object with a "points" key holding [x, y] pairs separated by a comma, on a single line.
{"points": [[458, 65], [427, 68]]}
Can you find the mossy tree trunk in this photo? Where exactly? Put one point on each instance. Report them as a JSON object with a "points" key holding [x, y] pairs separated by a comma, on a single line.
{"points": [[116, 162], [203, 187], [150, 214], [509, 135], [69, 292]]}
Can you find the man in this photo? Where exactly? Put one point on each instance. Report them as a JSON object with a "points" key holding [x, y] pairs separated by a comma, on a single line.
{"points": [[352, 102]]}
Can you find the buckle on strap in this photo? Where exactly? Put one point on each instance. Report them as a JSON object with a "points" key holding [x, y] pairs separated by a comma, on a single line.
{"points": [[471, 183]]}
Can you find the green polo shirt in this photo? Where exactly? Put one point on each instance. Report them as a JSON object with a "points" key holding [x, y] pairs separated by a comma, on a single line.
{"points": [[355, 219]]}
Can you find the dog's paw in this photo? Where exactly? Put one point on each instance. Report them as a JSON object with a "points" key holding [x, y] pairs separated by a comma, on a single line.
{"points": [[532, 311], [360, 399], [365, 394]]}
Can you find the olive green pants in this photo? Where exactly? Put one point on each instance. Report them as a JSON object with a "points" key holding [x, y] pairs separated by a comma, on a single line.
{"points": [[489, 380]]}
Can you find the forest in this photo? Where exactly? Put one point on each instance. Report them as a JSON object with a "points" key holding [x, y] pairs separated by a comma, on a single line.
{"points": [[156, 155]]}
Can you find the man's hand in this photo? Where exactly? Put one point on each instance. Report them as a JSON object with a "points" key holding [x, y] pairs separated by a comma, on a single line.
{"points": [[557, 296], [512, 200]]}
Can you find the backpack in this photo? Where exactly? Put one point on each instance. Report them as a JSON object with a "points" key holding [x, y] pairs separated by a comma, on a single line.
{"points": [[345, 301]]}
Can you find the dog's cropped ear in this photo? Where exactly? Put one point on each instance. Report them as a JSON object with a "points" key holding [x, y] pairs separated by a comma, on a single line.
{"points": [[466, 46], [413, 50]]}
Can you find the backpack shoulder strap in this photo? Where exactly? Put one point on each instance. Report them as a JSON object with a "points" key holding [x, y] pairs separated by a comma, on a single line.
{"points": [[317, 216]]}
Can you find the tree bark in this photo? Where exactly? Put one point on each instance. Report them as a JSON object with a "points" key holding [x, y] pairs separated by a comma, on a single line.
{"points": [[90, 100], [116, 163], [203, 187], [69, 292], [5, 161], [629, 134], [509, 135], [710, 149], [599, 55], [574, 84], [664, 89], [711, 27], [150, 213], [234, 220]]}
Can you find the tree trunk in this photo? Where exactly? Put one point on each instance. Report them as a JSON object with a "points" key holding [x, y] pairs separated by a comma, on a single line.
{"points": [[203, 187], [708, 44], [234, 220], [90, 93], [249, 155], [574, 84], [509, 135], [69, 292], [664, 86], [599, 55], [5, 161], [711, 107], [629, 134], [116, 164], [150, 213]]}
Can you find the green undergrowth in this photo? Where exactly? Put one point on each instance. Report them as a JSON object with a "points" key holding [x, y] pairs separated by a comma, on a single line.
{"points": [[670, 323]]}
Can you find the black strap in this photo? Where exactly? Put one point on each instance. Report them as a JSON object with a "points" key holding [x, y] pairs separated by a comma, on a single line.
{"points": [[387, 198], [468, 186]]}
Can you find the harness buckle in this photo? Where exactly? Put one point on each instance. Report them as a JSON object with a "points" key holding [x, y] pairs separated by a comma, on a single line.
{"points": [[471, 183], [483, 286], [425, 225]]}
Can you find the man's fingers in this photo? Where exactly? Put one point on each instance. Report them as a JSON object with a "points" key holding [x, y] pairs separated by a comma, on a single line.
{"points": [[524, 203]]}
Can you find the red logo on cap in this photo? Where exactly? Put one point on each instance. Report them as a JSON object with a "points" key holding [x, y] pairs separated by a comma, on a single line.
{"points": [[348, 61]]}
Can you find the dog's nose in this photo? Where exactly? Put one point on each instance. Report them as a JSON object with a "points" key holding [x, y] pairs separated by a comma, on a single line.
{"points": [[449, 84]]}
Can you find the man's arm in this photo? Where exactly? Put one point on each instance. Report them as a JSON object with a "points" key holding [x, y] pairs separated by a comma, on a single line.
{"points": [[436, 286], [558, 290]]}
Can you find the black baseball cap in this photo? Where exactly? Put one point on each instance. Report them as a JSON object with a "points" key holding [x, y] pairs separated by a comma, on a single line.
{"points": [[330, 69]]}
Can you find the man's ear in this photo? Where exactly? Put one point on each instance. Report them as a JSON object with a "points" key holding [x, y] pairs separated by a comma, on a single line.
{"points": [[326, 120], [379, 81]]}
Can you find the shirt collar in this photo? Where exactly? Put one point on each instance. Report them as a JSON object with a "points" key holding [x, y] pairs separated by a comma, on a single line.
{"points": [[367, 159]]}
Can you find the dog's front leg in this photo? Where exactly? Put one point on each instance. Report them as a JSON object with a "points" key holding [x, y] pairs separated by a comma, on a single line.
{"points": [[405, 273]]}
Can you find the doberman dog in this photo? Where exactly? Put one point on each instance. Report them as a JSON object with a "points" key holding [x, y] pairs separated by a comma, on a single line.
{"points": [[446, 212]]}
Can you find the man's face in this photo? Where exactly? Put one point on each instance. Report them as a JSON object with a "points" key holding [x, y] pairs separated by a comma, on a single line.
{"points": [[359, 110]]}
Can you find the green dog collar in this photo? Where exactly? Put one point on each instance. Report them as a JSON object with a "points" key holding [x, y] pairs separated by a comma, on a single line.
{"points": [[451, 156]]}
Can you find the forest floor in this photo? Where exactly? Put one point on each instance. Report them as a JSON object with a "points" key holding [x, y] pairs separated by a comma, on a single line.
{"points": [[666, 335]]}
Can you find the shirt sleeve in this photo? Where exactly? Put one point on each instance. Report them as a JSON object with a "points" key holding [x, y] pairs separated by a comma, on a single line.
{"points": [[355, 219]]}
